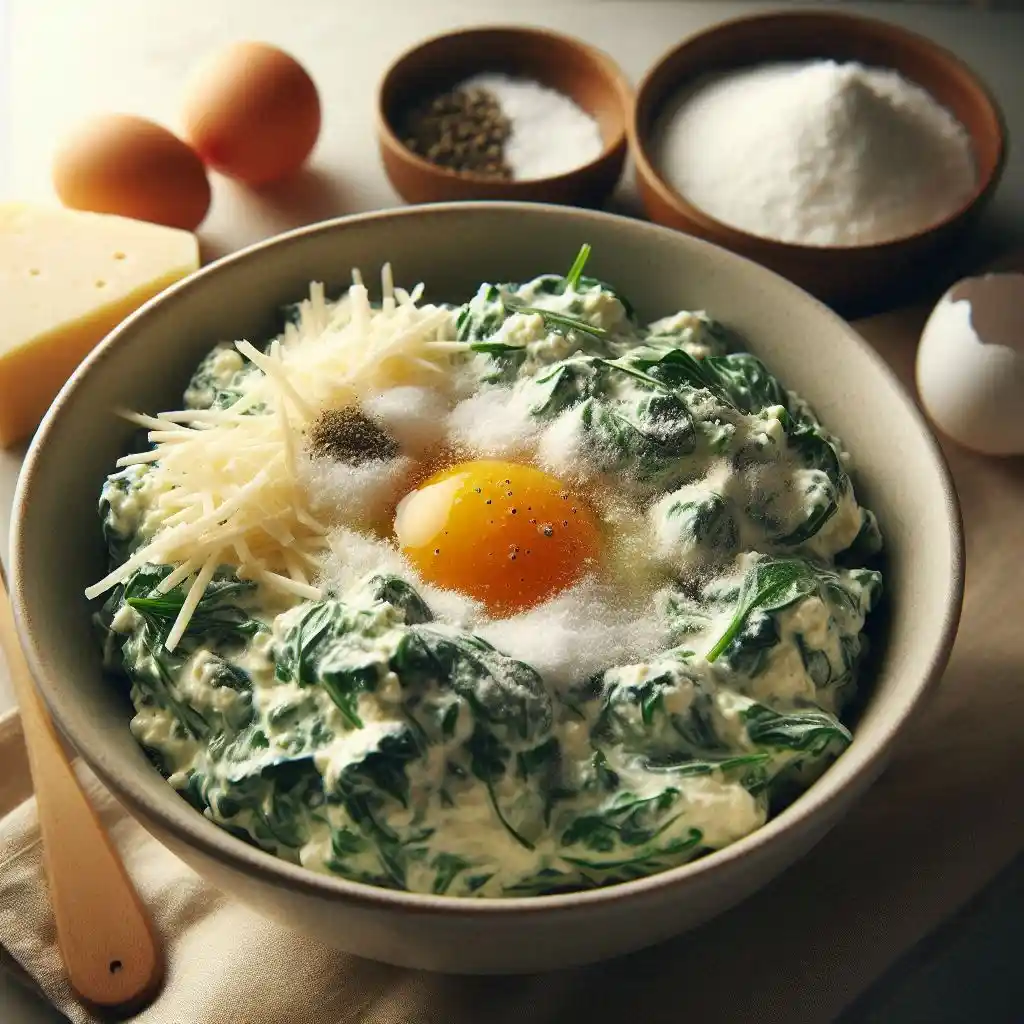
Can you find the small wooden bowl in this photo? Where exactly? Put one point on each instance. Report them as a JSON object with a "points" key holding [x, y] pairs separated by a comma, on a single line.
{"points": [[587, 76], [853, 279]]}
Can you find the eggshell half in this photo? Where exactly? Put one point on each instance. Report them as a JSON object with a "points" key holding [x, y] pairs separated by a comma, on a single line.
{"points": [[970, 364]]}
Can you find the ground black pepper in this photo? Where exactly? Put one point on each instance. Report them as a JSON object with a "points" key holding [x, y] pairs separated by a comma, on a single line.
{"points": [[463, 130], [347, 435]]}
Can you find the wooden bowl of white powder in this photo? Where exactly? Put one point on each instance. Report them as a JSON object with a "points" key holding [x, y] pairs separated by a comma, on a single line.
{"points": [[564, 103], [843, 152]]}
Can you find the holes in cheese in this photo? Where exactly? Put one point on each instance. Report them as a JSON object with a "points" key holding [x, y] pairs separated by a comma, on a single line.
{"points": [[67, 279]]}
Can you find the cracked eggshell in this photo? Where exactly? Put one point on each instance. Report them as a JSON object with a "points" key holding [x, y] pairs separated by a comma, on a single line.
{"points": [[970, 364]]}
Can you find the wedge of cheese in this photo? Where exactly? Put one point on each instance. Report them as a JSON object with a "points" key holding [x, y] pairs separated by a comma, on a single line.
{"points": [[66, 279]]}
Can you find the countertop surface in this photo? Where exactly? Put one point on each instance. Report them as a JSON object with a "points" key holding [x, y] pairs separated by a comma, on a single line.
{"points": [[66, 59]]}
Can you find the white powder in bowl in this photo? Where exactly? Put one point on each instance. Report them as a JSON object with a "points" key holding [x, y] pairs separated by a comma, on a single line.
{"points": [[550, 134], [817, 153]]}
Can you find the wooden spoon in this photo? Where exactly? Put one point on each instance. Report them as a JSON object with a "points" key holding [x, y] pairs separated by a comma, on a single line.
{"points": [[110, 950]]}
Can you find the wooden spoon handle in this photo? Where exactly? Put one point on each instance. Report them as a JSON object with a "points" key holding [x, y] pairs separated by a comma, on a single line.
{"points": [[107, 941]]}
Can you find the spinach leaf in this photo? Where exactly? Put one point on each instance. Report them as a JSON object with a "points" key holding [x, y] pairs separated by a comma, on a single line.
{"points": [[654, 427], [664, 723], [345, 842], [481, 317], [862, 586], [684, 742], [572, 279], [577, 281], [609, 871], [823, 504], [605, 776], [541, 766], [815, 451], [381, 772], [828, 481], [154, 673], [633, 714], [278, 823], [368, 786], [681, 766], [511, 709], [447, 866], [214, 385], [489, 759], [769, 585], [750, 651], [327, 646], [218, 624], [273, 805], [816, 662], [866, 545], [672, 369], [121, 527], [395, 591], [548, 881], [497, 348], [556, 323], [704, 522], [565, 384], [811, 731], [215, 619], [750, 385], [642, 438], [685, 615], [630, 820], [507, 694], [631, 837]]}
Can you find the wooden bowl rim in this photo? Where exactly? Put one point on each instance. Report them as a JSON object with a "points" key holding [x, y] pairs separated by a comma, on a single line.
{"points": [[602, 64], [734, 237]]}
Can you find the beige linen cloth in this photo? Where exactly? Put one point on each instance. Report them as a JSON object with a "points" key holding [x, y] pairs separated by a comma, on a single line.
{"points": [[944, 819]]}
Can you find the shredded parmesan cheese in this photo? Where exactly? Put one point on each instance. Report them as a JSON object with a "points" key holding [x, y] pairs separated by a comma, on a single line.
{"points": [[232, 491], [193, 598]]}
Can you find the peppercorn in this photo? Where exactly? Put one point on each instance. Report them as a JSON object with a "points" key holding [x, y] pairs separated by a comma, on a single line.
{"points": [[347, 435], [463, 130]]}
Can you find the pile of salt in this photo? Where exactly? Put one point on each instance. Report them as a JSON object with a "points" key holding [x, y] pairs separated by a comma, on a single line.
{"points": [[817, 153]]}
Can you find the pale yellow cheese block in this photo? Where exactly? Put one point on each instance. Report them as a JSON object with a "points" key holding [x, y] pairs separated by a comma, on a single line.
{"points": [[68, 278]]}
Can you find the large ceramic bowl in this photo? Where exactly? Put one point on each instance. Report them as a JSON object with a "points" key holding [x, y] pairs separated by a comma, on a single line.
{"points": [[145, 363]]}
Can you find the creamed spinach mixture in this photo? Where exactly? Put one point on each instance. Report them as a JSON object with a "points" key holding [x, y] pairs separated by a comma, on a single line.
{"points": [[363, 735]]}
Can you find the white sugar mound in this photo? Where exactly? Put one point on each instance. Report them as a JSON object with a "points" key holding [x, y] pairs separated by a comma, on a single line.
{"points": [[550, 133], [578, 633], [493, 423], [413, 416], [819, 153], [560, 447], [355, 555], [354, 494]]}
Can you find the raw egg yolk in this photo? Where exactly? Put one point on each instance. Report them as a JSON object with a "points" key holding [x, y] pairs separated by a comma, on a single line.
{"points": [[506, 534]]}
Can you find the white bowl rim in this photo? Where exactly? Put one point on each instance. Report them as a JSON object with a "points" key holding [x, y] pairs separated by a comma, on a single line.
{"points": [[848, 776]]}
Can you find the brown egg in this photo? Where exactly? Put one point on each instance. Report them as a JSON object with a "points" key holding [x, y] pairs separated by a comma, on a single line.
{"points": [[252, 112], [118, 163]]}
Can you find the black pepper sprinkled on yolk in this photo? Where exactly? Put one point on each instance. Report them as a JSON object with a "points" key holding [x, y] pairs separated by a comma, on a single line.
{"points": [[475, 507]]}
